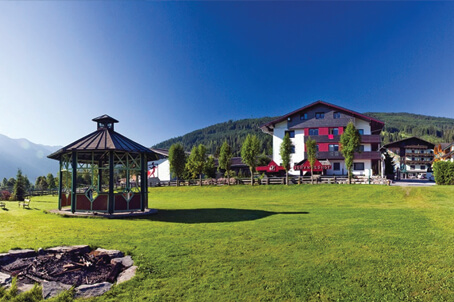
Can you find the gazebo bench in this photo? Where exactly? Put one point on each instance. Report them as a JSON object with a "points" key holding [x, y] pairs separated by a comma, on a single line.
{"points": [[2, 204]]}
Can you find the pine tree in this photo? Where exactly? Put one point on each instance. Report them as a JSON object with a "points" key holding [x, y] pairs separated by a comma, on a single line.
{"points": [[350, 141], [19, 187], [285, 153]]}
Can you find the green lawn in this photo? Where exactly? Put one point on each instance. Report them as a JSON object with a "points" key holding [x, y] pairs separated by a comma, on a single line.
{"points": [[267, 243]]}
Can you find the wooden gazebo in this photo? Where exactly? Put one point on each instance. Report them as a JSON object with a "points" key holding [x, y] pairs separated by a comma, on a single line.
{"points": [[103, 172]]}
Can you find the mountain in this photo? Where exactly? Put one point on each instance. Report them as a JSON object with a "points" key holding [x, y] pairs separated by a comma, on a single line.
{"points": [[397, 126], [22, 154]]}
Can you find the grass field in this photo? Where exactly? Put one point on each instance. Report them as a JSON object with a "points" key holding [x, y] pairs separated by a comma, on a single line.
{"points": [[267, 243]]}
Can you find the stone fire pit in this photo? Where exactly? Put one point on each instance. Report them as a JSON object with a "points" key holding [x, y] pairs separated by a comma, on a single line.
{"points": [[91, 272]]}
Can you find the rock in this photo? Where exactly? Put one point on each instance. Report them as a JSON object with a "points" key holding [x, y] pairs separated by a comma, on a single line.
{"points": [[125, 261], [110, 253], [23, 287], [72, 249], [127, 274], [5, 279], [52, 289], [22, 253], [92, 290], [41, 251]]}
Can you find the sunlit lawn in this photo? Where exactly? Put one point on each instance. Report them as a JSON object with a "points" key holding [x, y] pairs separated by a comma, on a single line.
{"points": [[274, 243]]}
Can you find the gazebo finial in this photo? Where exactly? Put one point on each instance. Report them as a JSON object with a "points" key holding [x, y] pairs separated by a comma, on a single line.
{"points": [[105, 122]]}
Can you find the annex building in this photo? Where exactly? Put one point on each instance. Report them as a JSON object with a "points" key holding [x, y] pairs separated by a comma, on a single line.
{"points": [[413, 157], [325, 123]]}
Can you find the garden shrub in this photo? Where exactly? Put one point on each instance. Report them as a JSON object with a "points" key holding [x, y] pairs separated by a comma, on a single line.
{"points": [[444, 172]]}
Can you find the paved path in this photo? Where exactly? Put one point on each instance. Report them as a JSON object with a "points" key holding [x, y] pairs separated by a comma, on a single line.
{"points": [[413, 183]]}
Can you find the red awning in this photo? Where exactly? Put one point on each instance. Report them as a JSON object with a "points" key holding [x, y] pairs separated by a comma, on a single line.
{"points": [[271, 168], [319, 166]]}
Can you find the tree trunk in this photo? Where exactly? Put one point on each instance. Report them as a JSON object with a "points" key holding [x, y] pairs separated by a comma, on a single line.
{"points": [[286, 177], [252, 177], [228, 179], [349, 177], [178, 182], [312, 175], [200, 179]]}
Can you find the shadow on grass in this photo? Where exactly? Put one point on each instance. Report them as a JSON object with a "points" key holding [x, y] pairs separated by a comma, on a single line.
{"points": [[212, 215]]}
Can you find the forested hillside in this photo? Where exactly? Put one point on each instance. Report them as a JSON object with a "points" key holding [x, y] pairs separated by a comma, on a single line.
{"points": [[234, 132], [397, 126], [402, 125]]}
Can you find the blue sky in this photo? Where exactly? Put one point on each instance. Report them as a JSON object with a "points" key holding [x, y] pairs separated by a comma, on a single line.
{"points": [[164, 69]]}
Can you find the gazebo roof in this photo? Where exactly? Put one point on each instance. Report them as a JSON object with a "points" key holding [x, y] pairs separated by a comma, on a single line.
{"points": [[105, 139]]}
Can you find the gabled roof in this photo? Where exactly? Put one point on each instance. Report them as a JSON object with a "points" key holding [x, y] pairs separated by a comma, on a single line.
{"points": [[104, 139], [270, 125], [402, 142]]}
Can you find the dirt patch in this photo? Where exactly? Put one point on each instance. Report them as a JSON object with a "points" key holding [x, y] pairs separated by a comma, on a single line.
{"points": [[75, 266]]}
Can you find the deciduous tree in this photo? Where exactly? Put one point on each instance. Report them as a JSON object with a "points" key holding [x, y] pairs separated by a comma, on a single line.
{"points": [[249, 152], [196, 161], [225, 159], [177, 160], [350, 141]]}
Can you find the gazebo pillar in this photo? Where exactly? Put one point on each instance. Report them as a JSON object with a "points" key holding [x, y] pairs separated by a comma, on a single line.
{"points": [[143, 182], [74, 181], [60, 186], [110, 206]]}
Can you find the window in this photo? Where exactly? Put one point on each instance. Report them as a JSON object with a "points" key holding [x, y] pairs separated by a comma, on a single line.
{"points": [[292, 149], [109, 125], [303, 116], [336, 166], [358, 166], [413, 159], [333, 148], [423, 167], [334, 131], [361, 148], [319, 115], [313, 131], [289, 119], [336, 115], [316, 148], [361, 131], [291, 134], [412, 167]]}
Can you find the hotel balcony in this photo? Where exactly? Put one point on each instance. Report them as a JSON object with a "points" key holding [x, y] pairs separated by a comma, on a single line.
{"points": [[366, 139], [338, 155]]}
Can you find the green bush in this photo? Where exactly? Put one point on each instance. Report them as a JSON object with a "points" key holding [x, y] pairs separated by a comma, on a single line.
{"points": [[444, 172]]}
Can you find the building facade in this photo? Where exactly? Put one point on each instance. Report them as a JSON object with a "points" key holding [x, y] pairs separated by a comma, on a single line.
{"points": [[325, 123], [412, 157]]}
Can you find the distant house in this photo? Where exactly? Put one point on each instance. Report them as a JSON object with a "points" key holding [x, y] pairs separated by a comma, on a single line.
{"points": [[444, 152], [159, 169], [412, 157], [325, 122]]}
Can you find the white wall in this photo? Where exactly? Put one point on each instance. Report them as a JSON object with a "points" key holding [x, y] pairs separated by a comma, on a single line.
{"points": [[163, 169], [278, 136], [361, 124]]}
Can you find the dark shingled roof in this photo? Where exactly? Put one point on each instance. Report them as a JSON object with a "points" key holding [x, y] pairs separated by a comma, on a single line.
{"points": [[105, 139]]}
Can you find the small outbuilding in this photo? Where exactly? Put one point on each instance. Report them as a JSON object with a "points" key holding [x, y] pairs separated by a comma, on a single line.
{"points": [[103, 171]]}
